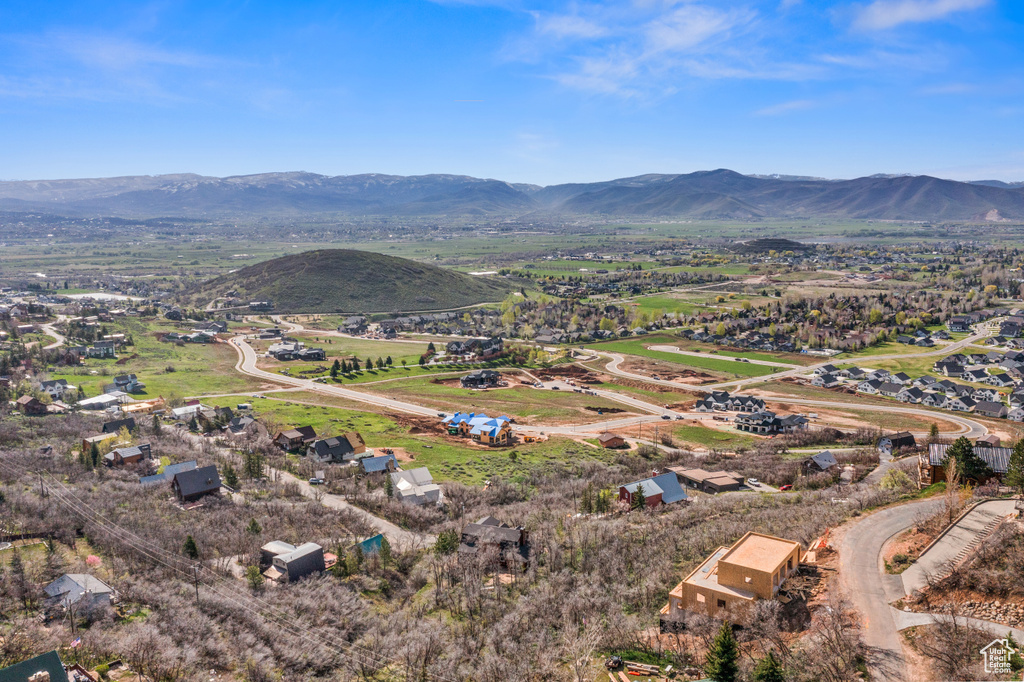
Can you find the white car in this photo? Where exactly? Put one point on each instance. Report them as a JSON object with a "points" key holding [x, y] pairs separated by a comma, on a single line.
{"points": [[753, 481]]}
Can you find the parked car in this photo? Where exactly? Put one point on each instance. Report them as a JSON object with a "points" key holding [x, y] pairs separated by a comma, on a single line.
{"points": [[555, 388], [753, 481], [666, 416], [442, 415], [786, 487], [317, 481]]}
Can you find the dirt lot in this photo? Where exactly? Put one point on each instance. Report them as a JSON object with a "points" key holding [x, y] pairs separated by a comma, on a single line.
{"points": [[669, 372]]}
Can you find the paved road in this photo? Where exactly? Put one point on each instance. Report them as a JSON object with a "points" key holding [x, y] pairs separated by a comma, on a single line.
{"points": [[398, 537], [247, 365], [49, 330], [957, 543], [865, 583], [767, 363]]}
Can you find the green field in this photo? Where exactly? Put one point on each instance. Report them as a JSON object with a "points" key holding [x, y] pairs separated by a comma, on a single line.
{"points": [[713, 438], [197, 368], [526, 405], [711, 349], [448, 458], [639, 346]]}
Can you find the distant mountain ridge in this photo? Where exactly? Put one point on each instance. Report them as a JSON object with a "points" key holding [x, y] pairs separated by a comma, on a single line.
{"points": [[716, 194]]}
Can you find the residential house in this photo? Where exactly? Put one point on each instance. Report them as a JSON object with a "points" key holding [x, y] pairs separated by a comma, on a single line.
{"points": [[825, 380], [167, 475], [821, 462], [986, 408], [129, 455], [482, 378], [933, 399], [30, 405], [716, 400], [960, 404], [416, 486], [726, 585], [1002, 380], [826, 369], [611, 440], [889, 444], [853, 373], [910, 395], [242, 425], [126, 383], [657, 490], [385, 463], [295, 439], [481, 428], [79, 591], [115, 425], [338, 449], [98, 440], [931, 463], [871, 386], [304, 560], [43, 668], [901, 378], [194, 484], [1016, 414], [925, 381], [491, 535], [975, 375], [708, 481], [890, 389], [57, 388], [989, 440], [989, 394], [948, 369], [880, 374], [757, 422]]}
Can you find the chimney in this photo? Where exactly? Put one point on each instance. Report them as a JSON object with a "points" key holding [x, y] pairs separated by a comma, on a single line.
{"points": [[41, 676]]}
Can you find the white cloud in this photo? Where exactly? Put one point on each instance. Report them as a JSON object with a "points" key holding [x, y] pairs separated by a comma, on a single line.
{"points": [[691, 25], [568, 26], [885, 14], [787, 107]]}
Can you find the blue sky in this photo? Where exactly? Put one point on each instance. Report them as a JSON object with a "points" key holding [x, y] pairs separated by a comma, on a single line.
{"points": [[540, 92]]}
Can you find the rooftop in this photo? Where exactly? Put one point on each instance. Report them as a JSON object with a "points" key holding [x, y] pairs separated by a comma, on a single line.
{"points": [[760, 552]]}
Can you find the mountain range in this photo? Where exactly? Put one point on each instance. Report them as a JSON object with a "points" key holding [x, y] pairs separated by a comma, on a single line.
{"points": [[716, 194]]}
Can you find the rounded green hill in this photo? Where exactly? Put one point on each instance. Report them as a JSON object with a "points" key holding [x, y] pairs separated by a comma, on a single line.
{"points": [[349, 281]]}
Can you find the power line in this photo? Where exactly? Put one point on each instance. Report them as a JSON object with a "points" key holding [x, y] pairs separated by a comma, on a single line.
{"points": [[147, 549]]}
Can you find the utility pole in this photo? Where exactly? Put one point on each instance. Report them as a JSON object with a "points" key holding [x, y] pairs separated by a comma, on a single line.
{"points": [[42, 489], [195, 574]]}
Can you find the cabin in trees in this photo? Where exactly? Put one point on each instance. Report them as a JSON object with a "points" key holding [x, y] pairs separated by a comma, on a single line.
{"points": [[288, 563], [129, 455], [728, 583], [931, 463], [195, 484], [611, 440], [30, 405], [337, 449], [490, 534], [656, 490], [891, 443], [820, 463], [295, 439], [416, 486]]}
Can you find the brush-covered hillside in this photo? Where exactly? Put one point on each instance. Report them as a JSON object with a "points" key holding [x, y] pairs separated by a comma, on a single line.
{"points": [[344, 280]]}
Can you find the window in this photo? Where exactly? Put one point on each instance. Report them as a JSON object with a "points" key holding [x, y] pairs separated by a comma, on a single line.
{"points": [[700, 599], [721, 603], [789, 564]]}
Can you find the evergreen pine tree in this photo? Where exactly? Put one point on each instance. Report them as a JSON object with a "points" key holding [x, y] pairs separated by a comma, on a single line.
{"points": [[230, 476], [769, 669], [721, 662], [389, 487], [385, 552], [335, 369], [970, 465], [254, 527], [639, 498], [190, 549], [1015, 471]]}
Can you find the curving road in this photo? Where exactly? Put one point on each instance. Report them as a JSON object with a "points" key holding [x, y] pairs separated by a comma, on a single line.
{"points": [[247, 365], [968, 427], [870, 589]]}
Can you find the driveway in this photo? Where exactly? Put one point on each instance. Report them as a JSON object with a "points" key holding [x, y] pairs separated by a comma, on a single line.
{"points": [[870, 589]]}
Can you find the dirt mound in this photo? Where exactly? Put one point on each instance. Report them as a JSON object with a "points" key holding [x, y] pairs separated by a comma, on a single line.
{"points": [[574, 372], [604, 410]]}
